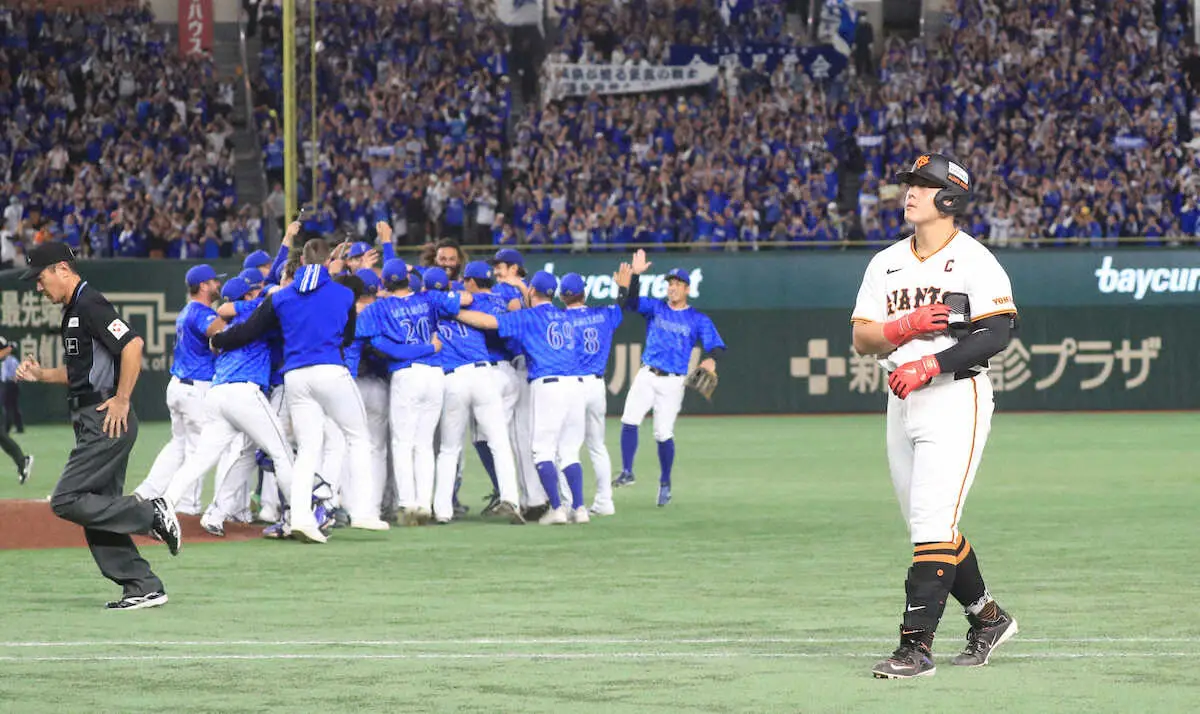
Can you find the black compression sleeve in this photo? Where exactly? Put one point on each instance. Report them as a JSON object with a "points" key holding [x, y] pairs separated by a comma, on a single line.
{"points": [[633, 295], [988, 337], [260, 322]]}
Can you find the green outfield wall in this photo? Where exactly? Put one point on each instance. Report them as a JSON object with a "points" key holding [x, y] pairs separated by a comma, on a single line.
{"points": [[1099, 330]]}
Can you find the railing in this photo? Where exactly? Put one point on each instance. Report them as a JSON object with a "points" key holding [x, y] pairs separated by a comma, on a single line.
{"points": [[740, 247]]}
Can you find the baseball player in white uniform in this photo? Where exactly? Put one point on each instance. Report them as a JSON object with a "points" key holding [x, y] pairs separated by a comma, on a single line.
{"points": [[237, 406], [934, 308], [191, 377]]}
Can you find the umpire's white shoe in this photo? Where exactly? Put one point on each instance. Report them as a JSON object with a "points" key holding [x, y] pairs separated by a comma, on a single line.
{"points": [[602, 509], [309, 533], [554, 517], [580, 515], [369, 524]]}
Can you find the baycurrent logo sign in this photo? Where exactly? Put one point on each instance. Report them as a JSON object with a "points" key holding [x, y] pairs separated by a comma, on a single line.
{"points": [[1139, 281]]}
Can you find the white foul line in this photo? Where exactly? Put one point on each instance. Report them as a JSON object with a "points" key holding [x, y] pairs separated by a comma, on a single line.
{"points": [[567, 641], [561, 656]]}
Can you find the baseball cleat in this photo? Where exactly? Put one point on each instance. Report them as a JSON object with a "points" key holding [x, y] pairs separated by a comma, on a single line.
{"points": [[510, 511], [423, 516], [664, 495], [26, 469], [602, 509], [911, 659], [534, 513], [408, 517], [983, 639], [309, 534], [166, 525], [461, 510], [493, 504], [580, 515], [213, 526], [267, 514], [138, 602], [625, 479], [341, 518], [554, 517], [370, 524], [277, 531]]}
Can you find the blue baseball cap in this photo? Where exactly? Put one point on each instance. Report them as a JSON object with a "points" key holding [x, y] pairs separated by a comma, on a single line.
{"points": [[370, 279], [572, 284], [202, 274], [435, 279], [234, 289], [544, 283], [510, 256], [257, 259], [252, 276], [681, 275], [394, 269], [477, 270], [358, 249], [415, 281]]}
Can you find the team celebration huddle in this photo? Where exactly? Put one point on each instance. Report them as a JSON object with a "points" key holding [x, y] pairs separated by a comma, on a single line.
{"points": [[342, 392]]}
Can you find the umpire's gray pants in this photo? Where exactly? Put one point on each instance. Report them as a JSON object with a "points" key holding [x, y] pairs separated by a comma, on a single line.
{"points": [[89, 493]]}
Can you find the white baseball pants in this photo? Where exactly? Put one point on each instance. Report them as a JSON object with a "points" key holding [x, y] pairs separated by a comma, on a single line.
{"points": [[189, 413], [416, 406], [935, 440], [237, 474], [236, 408], [520, 432], [314, 394], [595, 395], [472, 391], [558, 419], [662, 393], [374, 392]]}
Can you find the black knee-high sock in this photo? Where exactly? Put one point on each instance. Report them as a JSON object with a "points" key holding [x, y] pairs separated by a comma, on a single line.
{"points": [[928, 586], [969, 588]]}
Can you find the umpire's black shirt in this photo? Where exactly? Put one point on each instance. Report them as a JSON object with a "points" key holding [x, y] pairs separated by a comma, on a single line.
{"points": [[93, 336]]}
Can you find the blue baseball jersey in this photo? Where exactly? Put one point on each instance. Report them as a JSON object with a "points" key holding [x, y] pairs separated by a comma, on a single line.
{"points": [[461, 344], [671, 334], [408, 320], [593, 328], [193, 358], [498, 348], [546, 338], [250, 363], [508, 292]]}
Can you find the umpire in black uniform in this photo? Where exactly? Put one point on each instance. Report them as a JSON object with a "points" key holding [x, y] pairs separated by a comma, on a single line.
{"points": [[103, 357]]}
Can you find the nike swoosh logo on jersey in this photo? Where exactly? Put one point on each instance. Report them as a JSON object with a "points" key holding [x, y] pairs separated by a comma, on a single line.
{"points": [[894, 270]]}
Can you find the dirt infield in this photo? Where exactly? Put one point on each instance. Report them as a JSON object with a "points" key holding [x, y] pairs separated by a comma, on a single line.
{"points": [[31, 524]]}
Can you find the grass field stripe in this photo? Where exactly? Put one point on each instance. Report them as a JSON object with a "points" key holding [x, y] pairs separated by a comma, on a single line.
{"points": [[560, 656], [569, 641]]}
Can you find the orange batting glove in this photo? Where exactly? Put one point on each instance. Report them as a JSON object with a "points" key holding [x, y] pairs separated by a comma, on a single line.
{"points": [[913, 375], [927, 318]]}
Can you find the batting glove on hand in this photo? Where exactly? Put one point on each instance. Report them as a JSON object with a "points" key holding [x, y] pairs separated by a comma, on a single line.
{"points": [[913, 375], [927, 318]]}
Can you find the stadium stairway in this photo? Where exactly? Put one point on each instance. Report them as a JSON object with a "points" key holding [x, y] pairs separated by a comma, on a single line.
{"points": [[228, 60]]}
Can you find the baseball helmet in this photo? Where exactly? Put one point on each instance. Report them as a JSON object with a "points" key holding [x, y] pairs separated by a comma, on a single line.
{"points": [[940, 171]]}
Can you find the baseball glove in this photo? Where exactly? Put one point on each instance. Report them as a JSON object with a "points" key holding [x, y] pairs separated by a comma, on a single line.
{"points": [[702, 381]]}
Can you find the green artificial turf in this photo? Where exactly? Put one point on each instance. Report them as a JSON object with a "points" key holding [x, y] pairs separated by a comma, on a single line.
{"points": [[771, 584]]}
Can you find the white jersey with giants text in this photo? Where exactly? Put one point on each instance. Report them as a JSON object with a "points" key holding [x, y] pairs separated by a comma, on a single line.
{"points": [[897, 282]]}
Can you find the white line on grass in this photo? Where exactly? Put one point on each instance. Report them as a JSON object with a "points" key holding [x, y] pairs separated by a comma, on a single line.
{"points": [[561, 656], [567, 641]]}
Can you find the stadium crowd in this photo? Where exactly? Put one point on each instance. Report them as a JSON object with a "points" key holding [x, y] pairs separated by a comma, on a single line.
{"points": [[1074, 118], [111, 140], [415, 102]]}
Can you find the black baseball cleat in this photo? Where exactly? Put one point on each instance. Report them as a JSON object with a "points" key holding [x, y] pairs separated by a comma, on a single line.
{"points": [[911, 659], [533, 513], [493, 502], [166, 525], [983, 638], [625, 479], [138, 602], [26, 469]]}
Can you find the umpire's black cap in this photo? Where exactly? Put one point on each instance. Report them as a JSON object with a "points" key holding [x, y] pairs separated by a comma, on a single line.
{"points": [[45, 255]]}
